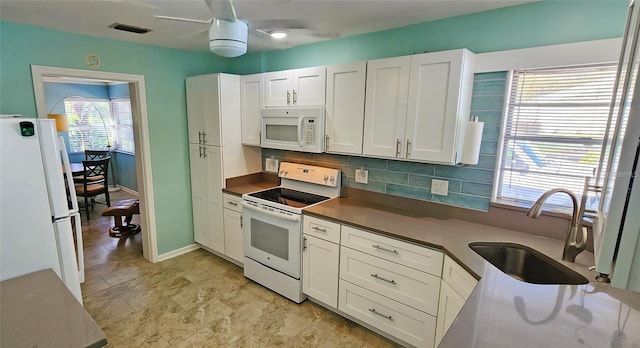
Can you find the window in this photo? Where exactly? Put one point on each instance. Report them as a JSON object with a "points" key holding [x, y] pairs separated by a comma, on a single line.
{"points": [[554, 126], [96, 124]]}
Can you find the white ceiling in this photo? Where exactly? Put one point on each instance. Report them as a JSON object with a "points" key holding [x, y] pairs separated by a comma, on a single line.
{"points": [[307, 20]]}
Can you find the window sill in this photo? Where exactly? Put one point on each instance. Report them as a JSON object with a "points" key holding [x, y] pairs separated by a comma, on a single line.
{"points": [[563, 214]]}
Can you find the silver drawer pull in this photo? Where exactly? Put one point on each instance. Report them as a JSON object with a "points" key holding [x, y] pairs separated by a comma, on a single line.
{"points": [[385, 249], [388, 317], [385, 279], [319, 229], [233, 203]]}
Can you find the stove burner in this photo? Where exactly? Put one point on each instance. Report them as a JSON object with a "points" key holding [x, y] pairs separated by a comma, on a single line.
{"points": [[288, 197]]}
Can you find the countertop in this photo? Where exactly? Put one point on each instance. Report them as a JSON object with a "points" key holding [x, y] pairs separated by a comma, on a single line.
{"points": [[502, 311], [38, 310]]}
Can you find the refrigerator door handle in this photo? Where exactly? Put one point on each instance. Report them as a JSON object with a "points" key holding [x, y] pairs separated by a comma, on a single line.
{"points": [[69, 177], [77, 229]]}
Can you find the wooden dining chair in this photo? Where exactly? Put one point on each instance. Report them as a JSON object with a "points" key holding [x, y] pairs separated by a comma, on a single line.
{"points": [[92, 155], [90, 189]]}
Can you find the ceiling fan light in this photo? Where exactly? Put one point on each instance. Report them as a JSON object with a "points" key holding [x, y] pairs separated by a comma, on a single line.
{"points": [[278, 34], [228, 38]]}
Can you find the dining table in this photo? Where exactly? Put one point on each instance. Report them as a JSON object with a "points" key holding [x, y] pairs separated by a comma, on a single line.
{"points": [[77, 169]]}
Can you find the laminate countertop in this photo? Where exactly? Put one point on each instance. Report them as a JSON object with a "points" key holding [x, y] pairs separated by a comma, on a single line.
{"points": [[502, 311], [38, 310]]}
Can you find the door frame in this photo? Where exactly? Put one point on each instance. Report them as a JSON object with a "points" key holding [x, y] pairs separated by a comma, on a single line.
{"points": [[141, 136]]}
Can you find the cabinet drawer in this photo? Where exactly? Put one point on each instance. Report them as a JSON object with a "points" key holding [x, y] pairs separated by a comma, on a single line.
{"points": [[410, 325], [232, 202], [322, 229], [406, 285], [458, 278], [421, 258]]}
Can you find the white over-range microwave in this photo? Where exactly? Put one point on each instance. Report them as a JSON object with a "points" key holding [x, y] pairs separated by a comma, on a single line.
{"points": [[295, 129]]}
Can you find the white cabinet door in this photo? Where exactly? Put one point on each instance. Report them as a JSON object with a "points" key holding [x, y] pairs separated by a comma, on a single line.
{"points": [[277, 88], [439, 100], [345, 107], [449, 306], [320, 262], [198, 194], [233, 239], [309, 86], [386, 106], [251, 94], [203, 109], [213, 172]]}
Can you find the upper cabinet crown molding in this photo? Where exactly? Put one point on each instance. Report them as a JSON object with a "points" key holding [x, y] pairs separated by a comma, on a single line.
{"points": [[302, 87]]}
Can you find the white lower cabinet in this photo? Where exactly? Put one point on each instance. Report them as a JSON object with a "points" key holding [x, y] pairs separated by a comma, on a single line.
{"points": [[399, 320], [320, 270], [233, 235]]}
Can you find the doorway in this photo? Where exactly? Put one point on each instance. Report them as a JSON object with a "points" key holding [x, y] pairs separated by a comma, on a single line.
{"points": [[137, 95]]}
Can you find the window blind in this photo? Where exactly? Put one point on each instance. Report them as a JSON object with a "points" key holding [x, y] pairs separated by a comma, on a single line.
{"points": [[90, 124], [121, 109], [554, 127]]}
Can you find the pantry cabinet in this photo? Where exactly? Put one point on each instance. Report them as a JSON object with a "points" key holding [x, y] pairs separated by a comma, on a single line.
{"points": [[301, 87], [417, 106], [251, 101], [345, 108], [213, 105]]}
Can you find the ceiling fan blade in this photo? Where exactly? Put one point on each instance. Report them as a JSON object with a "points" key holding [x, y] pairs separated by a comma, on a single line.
{"points": [[182, 19]]}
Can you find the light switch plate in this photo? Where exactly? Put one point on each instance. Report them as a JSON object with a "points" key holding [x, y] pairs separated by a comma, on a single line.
{"points": [[439, 187], [362, 175], [271, 165]]}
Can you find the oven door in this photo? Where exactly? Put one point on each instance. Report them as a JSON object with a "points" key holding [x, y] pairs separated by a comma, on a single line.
{"points": [[273, 238]]}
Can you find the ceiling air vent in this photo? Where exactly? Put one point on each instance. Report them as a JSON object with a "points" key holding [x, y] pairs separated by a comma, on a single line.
{"points": [[129, 28]]}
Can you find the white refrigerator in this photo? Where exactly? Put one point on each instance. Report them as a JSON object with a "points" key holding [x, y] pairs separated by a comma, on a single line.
{"points": [[36, 229], [617, 236]]}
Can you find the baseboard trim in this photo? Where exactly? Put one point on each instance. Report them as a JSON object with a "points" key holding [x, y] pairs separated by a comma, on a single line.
{"points": [[126, 189], [178, 252]]}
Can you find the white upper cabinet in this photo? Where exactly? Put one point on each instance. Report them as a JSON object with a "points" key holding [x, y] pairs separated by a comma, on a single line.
{"points": [[203, 106], [439, 102], [345, 107], [295, 87], [386, 106], [416, 106], [251, 101]]}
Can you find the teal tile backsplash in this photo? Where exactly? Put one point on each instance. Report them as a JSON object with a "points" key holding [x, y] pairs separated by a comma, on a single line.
{"points": [[469, 186]]}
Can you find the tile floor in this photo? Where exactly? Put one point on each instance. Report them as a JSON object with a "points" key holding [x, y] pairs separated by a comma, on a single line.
{"points": [[196, 300]]}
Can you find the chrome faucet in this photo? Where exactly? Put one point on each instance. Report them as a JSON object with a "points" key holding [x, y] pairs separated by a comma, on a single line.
{"points": [[571, 245]]}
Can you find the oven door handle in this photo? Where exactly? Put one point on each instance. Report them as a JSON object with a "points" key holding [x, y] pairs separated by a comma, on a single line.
{"points": [[294, 218]]}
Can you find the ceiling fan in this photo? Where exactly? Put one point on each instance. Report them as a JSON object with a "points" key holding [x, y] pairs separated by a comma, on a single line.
{"points": [[227, 34]]}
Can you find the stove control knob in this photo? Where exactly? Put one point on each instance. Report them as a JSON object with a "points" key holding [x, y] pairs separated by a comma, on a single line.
{"points": [[332, 179], [325, 178]]}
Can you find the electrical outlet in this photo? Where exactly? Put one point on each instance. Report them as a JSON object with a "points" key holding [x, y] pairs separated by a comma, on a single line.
{"points": [[271, 165], [439, 187], [362, 175]]}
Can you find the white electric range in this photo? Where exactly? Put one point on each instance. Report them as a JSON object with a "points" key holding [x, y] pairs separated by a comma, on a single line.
{"points": [[272, 226]]}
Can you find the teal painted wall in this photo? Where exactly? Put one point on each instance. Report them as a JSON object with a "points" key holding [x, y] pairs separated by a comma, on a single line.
{"points": [[120, 90], [164, 70], [529, 25]]}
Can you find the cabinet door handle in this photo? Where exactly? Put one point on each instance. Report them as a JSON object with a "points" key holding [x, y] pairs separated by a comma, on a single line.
{"points": [[326, 142], [204, 138], [295, 97], [304, 244], [323, 230], [200, 150], [408, 146], [375, 275], [241, 222], [233, 203], [199, 137], [204, 151], [388, 317], [397, 147], [288, 97], [377, 246]]}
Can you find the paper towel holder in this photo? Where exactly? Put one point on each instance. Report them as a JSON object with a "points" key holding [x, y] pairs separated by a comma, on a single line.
{"points": [[471, 142]]}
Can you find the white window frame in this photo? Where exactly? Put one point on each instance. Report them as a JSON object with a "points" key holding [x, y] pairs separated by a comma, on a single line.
{"points": [[105, 120], [122, 130]]}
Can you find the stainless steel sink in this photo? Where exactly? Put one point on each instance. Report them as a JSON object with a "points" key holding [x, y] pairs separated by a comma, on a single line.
{"points": [[526, 264]]}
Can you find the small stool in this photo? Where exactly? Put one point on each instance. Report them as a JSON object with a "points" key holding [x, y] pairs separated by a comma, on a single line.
{"points": [[124, 208]]}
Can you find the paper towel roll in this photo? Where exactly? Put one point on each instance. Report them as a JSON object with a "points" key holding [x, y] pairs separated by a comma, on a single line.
{"points": [[472, 140]]}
